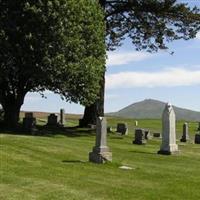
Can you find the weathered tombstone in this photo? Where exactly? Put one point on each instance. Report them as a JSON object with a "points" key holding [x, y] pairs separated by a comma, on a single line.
{"points": [[147, 134], [81, 123], [198, 126], [139, 136], [136, 123], [185, 135], [101, 152], [29, 115], [92, 126], [197, 139], [109, 129], [29, 122], [62, 117], [122, 128], [52, 120], [158, 135], [168, 145]]}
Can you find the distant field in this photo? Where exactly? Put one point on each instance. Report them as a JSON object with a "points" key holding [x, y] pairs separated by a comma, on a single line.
{"points": [[154, 125], [55, 166], [42, 118], [44, 115]]}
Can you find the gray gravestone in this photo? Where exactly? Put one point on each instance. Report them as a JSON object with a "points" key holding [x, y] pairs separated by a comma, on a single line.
{"points": [[29, 122], [147, 134], [109, 129], [158, 135], [52, 120], [185, 135], [101, 152], [168, 145], [197, 139], [62, 117], [122, 128], [29, 115], [139, 136]]}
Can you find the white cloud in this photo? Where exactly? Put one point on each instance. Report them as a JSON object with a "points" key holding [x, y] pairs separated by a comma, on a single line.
{"points": [[198, 35], [33, 98], [123, 58], [111, 96], [167, 78]]}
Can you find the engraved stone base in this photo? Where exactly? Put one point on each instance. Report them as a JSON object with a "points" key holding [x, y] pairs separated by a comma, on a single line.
{"points": [[183, 139], [140, 142], [172, 149], [100, 157], [168, 152]]}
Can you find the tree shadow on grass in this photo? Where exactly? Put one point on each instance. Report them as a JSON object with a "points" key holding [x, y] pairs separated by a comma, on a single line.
{"points": [[74, 161], [47, 131], [116, 137], [143, 152]]}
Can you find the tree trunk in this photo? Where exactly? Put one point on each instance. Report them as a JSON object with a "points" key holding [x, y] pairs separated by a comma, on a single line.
{"points": [[11, 115], [95, 110], [11, 107]]}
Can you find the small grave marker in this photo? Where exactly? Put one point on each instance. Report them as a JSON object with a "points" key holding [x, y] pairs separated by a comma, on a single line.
{"points": [[52, 120], [185, 135], [122, 128], [29, 122], [139, 136]]}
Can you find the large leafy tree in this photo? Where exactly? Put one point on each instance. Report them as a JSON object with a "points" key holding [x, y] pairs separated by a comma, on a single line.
{"points": [[49, 44], [150, 24]]}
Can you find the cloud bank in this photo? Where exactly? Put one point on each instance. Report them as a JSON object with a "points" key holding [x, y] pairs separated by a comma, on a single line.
{"points": [[124, 58], [198, 35], [172, 77]]}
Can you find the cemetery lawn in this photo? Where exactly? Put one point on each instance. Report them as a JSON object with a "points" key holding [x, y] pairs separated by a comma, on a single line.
{"points": [[55, 167]]}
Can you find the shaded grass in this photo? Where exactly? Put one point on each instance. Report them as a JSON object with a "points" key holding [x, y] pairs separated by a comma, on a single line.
{"points": [[57, 167]]}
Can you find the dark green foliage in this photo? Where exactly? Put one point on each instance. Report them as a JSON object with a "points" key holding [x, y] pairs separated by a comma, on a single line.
{"points": [[150, 24], [1, 113], [50, 44]]}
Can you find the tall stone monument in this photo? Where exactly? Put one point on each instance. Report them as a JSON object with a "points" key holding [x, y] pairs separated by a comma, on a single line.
{"points": [[168, 145], [62, 117], [185, 135], [101, 152]]}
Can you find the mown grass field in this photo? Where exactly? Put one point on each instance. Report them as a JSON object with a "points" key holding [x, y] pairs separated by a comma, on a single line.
{"points": [[55, 166]]}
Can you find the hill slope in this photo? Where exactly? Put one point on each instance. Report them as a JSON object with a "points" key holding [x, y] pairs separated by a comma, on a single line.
{"points": [[152, 109]]}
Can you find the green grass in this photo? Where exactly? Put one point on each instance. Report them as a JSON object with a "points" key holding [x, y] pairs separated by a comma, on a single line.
{"points": [[56, 167]]}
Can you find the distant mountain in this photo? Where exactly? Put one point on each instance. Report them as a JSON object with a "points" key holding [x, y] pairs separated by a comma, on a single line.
{"points": [[152, 109]]}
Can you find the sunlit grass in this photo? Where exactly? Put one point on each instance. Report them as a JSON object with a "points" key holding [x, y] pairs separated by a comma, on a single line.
{"points": [[56, 166]]}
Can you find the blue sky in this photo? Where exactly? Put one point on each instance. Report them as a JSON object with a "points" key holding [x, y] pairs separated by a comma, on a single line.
{"points": [[134, 76]]}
